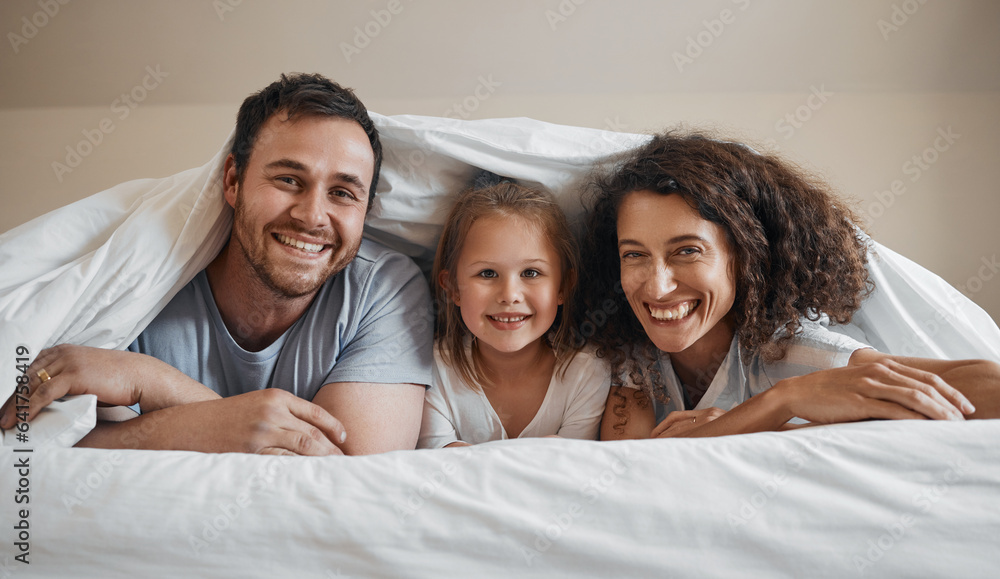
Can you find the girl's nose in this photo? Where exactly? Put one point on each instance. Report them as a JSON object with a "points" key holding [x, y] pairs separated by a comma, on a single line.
{"points": [[511, 291]]}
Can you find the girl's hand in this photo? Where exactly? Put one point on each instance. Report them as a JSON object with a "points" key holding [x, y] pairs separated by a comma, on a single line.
{"points": [[682, 421], [885, 389]]}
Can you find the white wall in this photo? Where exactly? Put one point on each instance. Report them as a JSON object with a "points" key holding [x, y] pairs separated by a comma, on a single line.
{"points": [[875, 86]]}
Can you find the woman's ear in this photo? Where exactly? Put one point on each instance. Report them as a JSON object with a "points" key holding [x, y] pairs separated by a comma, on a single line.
{"points": [[230, 184], [444, 280]]}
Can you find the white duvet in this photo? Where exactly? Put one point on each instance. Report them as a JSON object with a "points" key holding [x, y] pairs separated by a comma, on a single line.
{"points": [[889, 499], [880, 499]]}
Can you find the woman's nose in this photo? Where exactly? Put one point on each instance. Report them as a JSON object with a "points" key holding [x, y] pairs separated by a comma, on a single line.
{"points": [[663, 281]]}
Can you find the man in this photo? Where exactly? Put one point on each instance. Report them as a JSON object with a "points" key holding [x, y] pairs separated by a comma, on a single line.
{"points": [[296, 308]]}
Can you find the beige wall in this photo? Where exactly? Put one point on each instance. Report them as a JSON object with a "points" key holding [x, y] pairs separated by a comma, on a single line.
{"points": [[876, 82]]}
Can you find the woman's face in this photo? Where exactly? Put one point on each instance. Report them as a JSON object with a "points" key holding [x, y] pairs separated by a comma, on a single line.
{"points": [[676, 271]]}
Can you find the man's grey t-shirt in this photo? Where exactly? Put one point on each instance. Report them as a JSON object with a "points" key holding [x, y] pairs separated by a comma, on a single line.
{"points": [[372, 322]]}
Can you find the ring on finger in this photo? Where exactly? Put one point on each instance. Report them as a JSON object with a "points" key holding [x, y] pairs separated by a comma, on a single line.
{"points": [[43, 375]]}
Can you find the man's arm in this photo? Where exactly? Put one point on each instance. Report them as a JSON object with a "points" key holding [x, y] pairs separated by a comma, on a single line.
{"points": [[978, 380], [116, 378], [377, 417], [267, 421], [179, 413]]}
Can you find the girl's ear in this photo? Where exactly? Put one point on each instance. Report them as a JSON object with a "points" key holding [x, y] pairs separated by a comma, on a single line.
{"points": [[230, 184], [444, 280]]}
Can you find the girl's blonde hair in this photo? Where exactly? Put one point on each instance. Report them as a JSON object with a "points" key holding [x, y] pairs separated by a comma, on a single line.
{"points": [[503, 199]]}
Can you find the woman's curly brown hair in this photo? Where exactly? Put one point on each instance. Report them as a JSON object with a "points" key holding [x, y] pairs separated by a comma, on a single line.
{"points": [[797, 252]]}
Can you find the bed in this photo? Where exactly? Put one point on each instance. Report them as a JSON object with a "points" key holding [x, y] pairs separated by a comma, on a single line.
{"points": [[873, 499]]}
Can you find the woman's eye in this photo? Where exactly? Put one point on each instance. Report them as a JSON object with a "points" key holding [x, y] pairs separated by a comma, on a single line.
{"points": [[689, 251], [630, 254]]}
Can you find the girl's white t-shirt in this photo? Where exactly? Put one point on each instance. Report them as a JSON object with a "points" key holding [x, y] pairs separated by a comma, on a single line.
{"points": [[572, 407]]}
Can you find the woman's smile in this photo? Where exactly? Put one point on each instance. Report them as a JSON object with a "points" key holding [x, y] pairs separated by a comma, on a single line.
{"points": [[676, 312]]}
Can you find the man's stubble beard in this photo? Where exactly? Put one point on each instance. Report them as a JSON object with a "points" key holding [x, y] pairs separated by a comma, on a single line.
{"points": [[285, 283]]}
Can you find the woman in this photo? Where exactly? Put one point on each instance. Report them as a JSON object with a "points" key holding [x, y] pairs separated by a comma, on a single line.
{"points": [[732, 265]]}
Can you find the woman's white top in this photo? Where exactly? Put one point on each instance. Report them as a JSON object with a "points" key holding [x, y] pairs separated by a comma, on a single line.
{"points": [[572, 407], [739, 376]]}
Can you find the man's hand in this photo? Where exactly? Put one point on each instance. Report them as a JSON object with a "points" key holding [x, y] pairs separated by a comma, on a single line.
{"points": [[116, 378], [262, 422]]}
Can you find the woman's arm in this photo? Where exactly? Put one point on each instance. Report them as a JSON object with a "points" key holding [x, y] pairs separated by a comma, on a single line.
{"points": [[631, 406], [871, 386]]}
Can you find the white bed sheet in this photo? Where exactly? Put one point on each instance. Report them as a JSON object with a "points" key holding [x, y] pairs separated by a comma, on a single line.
{"points": [[892, 499]]}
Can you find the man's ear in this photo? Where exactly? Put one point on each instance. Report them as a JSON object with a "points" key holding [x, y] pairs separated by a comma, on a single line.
{"points": [[444, 280], [230, 184]]}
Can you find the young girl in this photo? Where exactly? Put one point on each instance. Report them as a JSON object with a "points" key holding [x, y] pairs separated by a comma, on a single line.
{"points": [[505, 367]]}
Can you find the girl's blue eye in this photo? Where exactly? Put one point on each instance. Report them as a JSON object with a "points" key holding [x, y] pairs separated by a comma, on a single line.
{"points": [[488, 273], [531, 273]]}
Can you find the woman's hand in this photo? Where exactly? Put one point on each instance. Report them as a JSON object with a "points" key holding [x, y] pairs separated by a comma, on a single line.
{"points": [[680, 422], [881, 389]]}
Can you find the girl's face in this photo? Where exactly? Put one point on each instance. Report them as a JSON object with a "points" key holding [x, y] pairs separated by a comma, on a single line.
{"points": [[676, 271], [509, 283]]}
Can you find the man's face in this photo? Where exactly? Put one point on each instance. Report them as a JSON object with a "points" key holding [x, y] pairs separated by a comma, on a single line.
{"points": [[301, 207]]}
